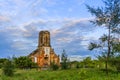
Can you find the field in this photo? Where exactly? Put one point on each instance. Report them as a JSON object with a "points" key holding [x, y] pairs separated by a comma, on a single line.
{"points": [[70, 74]]}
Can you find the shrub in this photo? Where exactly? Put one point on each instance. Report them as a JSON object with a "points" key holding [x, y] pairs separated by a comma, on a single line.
{"points": [[2, 60], [23, 62], [77, 65], [8, 68], [115, 62], [54, 66], [64, 65]]}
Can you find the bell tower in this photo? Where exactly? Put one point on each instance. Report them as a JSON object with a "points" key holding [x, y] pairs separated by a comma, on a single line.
{"points": [[44, 39]]}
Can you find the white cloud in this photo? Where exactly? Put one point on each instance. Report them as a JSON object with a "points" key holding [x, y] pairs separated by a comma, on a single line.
{"points": [[4, 18], [72, 35], [77, 57]]}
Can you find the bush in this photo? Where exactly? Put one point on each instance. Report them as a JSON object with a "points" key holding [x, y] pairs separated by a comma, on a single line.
{"points": [[115, 62], [77, 65], [8, 68], [24, 62], [64, 65], [2, 60], [54, 66]]}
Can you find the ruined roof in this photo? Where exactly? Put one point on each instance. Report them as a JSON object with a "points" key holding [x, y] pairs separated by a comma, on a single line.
{"points": [[34, 52]]}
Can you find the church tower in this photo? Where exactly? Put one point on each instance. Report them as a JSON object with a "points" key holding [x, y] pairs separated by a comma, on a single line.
{"points": [[44, 42], [44, 54], [44, 39]]}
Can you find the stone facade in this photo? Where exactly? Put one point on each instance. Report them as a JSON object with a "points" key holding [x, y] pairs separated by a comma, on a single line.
{"points": [[44, 54]]}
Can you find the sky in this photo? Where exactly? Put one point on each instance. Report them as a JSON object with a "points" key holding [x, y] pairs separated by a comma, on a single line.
{"points": [[67, 20]]}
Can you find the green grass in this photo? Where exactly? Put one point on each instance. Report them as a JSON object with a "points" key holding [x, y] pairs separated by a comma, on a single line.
{"points": [[71, 74]]}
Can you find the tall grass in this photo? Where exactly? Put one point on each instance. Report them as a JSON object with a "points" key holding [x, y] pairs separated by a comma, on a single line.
{"points": [[70, 74]]}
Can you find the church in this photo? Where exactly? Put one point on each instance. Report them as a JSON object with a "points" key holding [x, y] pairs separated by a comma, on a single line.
{"points": [[44, 55]]}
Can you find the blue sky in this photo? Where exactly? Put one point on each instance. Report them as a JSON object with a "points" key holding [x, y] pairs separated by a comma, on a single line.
{"points": [[67, 21]]}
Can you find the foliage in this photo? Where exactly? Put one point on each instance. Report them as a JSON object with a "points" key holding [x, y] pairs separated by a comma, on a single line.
{"points": [[54, 66], [87, 63], [109, 16], [115, 61], [2, 60], [93, 45], [69, 74], [8, 68], [116, 47], [24, 62], [74, 64], [64, 63], [77, 65]]}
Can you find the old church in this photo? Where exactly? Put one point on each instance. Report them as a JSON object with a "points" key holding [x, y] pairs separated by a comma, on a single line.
{"points": [[44, 55]]}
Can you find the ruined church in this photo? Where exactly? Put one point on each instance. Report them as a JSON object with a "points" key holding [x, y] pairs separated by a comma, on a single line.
{"points": [[44, 55]]}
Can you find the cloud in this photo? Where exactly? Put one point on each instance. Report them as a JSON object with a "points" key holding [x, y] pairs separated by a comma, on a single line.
{"points": [[4, 22], [74, 36], [71, 35], [4, 18], [77, 57], [21, 21]]}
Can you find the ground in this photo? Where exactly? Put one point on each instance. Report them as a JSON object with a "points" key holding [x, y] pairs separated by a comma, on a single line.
{"points": [[70, 74]]}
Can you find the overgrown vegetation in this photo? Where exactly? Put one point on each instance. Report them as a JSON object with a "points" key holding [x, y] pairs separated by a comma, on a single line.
{"points": [[87, 69], [69, 74], [54, 66], [23, 62], [8, 68], [2, 60]]}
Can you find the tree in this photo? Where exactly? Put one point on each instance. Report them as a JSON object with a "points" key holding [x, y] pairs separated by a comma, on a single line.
{"points": [[23, 62], [116, 47], [110, 17], [8, 68], [64, 64], [2, 60], [102, 45]]}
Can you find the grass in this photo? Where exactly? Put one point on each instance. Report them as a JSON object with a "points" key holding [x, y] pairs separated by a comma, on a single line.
{"points": [[70, 74]]}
